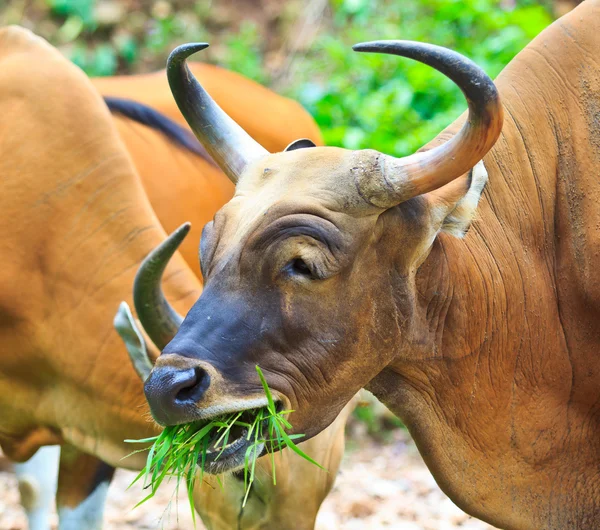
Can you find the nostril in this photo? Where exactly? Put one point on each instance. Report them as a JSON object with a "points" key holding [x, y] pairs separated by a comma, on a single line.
{"points": [[192, 385], [173, 392]]}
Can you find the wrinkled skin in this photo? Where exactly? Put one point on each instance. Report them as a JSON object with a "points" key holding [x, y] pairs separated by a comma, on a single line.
{"points": [[486, 347], [252, 232], [79, 234]]}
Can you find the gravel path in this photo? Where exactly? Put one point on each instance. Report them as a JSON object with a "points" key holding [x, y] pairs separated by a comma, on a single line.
{"points": [[380, 486]]}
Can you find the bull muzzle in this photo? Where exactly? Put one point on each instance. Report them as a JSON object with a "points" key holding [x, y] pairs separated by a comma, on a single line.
{"points": [[173, 391]]}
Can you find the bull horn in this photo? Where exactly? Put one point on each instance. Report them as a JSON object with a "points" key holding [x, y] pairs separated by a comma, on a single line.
{"points": [[134, 341], [232, 148], [156, 315], [422, 172]]}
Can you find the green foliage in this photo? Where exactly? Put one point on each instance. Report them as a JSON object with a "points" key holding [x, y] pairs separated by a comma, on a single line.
{"points": [[397, 105], [96, 62], [162, 31], [379, 426], [244, 55], [81, 9]]}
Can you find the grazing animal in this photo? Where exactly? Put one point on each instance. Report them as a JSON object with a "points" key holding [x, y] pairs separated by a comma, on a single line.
{"points": [[335, 270], [75, 224]]}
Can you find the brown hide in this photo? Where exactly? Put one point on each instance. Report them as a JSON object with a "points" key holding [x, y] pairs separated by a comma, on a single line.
{"points": [[181, 186], [487, 346], [77, 225], [502, 398]]}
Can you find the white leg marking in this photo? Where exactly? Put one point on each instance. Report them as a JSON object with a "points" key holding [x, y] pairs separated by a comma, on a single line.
{"points": [[37, 484], [88, 515]]}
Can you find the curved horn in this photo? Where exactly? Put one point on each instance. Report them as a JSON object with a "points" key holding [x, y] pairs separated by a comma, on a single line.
{"points": [[403, 178], [232, 148], [156, 315]]}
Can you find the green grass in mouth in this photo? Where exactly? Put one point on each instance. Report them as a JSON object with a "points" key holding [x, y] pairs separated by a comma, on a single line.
{"points": [[180, 450]]}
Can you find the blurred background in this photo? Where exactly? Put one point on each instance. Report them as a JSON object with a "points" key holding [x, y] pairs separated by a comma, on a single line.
{"points": [[302, 49]]}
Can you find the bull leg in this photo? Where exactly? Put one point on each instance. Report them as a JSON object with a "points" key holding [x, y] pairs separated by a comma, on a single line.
{"points": [[37, 486], [83, 482]]}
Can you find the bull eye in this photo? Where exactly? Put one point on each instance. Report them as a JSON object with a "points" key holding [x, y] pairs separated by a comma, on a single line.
{"points": [[299, 267]]}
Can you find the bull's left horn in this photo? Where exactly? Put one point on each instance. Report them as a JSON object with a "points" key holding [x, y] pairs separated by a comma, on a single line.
{"points": [[232, 148], [156, 315], [404, 178], [134, 341]]}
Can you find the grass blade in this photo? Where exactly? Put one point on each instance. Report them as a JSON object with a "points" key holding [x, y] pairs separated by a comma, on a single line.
{"points": [[179, 452]]}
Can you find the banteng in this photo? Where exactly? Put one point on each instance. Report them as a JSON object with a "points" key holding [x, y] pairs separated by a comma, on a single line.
{"points": [[336, 270], [75, 225]]}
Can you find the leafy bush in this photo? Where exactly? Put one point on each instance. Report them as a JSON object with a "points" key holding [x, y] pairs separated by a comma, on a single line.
{"points": [[397, 105]]}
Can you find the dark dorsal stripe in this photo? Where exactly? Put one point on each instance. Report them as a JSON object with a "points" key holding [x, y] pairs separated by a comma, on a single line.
{"points": [[152, 118]]}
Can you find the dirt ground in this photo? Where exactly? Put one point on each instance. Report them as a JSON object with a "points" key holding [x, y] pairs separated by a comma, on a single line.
{"points": [[380, 486]]}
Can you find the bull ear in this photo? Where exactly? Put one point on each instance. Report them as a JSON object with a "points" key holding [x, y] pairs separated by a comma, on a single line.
{"points": [[454, 206], [300, 144], [134, 341]]}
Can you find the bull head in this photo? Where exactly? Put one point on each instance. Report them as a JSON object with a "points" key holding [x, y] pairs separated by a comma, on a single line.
{"points": [[310, 269]]}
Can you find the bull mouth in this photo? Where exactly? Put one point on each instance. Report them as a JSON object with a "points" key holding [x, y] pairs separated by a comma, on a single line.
{"points": [[227, 452], [205, 415]]}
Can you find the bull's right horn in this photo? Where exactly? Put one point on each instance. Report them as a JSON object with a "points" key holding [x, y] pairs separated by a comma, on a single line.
{"points": [[232, 148], [158, 318], [403, 178]]}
